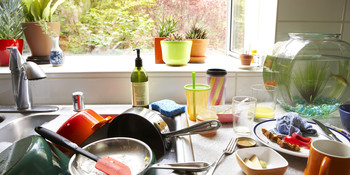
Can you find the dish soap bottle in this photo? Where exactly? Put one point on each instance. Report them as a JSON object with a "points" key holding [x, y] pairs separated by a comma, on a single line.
{"points": [[139, 84]]}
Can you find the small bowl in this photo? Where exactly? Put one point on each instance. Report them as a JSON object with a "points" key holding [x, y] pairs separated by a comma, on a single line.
{"points": [[224, 113], [275, 163], [344, 111]]}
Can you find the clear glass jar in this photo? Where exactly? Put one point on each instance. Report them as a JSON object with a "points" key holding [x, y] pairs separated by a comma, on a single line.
{"points": [[312, 71]]}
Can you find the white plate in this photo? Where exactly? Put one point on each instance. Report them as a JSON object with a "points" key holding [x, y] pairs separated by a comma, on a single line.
{"points": [[270, 124]]}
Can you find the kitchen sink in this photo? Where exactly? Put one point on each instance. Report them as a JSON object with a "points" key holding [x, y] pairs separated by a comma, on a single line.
{"points": [[19, 127], [1, 119]]}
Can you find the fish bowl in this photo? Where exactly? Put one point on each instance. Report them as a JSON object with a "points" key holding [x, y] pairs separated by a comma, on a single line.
{"points": [[312, 72]]}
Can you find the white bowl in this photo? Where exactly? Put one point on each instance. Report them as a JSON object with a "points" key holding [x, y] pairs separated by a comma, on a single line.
{"points": [[275, 163]]}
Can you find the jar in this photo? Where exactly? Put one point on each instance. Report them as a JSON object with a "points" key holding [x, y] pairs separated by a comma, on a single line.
{"points": [[312, 72]]}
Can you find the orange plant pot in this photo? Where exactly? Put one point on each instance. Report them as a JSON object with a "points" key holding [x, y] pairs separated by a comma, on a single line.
{"points": [[198, 50], [158, 50], [246, 59]]}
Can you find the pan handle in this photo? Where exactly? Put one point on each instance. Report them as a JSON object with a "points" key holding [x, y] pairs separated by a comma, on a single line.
{"points": [[199, 128]]}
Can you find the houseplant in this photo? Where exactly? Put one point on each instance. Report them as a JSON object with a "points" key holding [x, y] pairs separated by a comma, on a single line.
{"points": [[176, 50], [39, 27], [11, 30], [198, 36], [166, 26]]}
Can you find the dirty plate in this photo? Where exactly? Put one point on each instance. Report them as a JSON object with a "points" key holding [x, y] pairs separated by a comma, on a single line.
{"points": [[270, 124]]}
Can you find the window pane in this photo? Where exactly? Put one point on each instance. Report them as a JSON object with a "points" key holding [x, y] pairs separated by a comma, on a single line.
{"points": [[117, 26], [238, 17]]}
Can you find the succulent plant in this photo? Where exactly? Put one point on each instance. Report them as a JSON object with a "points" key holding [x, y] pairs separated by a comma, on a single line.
{"points": [[196, 32], [175, 37], [167, 25], [40, 10], [11, 17]]}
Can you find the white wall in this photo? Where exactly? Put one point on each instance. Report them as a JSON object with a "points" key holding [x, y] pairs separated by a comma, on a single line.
{"points": [[322, 16]]}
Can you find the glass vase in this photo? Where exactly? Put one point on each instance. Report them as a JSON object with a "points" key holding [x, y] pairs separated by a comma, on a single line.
{"points": [[312, 72]]}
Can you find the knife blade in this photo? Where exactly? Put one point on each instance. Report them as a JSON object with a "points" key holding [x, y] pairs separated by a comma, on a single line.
{"points": [[328, 132]]}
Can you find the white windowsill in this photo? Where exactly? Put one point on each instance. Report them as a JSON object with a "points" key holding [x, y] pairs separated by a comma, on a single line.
{"points": [[126, 63]]}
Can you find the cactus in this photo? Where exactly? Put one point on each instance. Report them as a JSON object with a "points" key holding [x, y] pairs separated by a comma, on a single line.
{"points": [[167, 25], [175, 37], [196, 32]]}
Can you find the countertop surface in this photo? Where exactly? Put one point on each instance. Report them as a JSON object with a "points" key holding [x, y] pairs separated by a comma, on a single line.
{"points": [[209, 148]]}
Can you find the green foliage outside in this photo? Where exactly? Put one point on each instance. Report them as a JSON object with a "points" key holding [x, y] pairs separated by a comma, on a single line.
{"points": [[107, 26]]}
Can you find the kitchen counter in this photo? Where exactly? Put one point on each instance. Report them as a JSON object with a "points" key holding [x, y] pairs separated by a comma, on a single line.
{"points": [[209, 148]]}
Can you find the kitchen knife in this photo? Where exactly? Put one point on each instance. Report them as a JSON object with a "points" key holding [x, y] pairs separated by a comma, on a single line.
{"points": [[326, 131]]}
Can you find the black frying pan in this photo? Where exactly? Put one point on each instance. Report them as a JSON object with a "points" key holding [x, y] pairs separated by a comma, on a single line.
{"points": [[149, 127]]}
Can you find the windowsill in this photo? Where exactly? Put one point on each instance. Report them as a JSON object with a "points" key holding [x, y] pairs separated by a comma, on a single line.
{"points": [[120, 63]]}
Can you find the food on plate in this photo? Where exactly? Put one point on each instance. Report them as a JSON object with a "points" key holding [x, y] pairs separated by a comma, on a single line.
{"points": [[291, 122], [298, 140], [279, 140], [271, 136], [289, 146], [255, 162]]}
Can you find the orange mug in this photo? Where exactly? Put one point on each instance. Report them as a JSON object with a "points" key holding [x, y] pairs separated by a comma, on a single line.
{"points": [[328, 157]]}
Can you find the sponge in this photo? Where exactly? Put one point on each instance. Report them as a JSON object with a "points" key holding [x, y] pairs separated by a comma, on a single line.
{"points": [[168, 108]]}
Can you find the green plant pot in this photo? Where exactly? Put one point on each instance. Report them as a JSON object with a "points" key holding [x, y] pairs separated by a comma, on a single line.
{"points": [[176, 53]]}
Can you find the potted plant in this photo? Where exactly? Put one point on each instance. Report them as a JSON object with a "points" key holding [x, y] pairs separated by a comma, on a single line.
{"points": [[176, 50], [39, 27], [166, 26], [11, 30], [198, 36]]}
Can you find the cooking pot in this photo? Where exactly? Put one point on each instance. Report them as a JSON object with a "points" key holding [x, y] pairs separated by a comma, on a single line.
{"points": [[81, 126], [132, 152], [33, 155], [148, 126]]}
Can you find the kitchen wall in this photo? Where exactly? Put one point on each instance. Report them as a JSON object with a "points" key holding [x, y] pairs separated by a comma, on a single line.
{"points": [[323, 16]]}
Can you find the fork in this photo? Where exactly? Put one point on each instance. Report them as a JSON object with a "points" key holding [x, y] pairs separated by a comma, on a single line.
{"points": [[227, 151]]}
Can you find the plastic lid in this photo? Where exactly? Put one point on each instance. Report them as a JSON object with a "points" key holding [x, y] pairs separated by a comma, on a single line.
{"points": [[216, 72], [199, 87]]}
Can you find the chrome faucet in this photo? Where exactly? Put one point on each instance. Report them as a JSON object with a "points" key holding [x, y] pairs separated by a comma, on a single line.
{"points": [[21, 72]]}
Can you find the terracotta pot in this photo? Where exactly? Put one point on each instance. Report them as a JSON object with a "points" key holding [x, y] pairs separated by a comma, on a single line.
{"points": [[246, 59], [158, 50], [39, 43], [199, 47], [4, 53]]}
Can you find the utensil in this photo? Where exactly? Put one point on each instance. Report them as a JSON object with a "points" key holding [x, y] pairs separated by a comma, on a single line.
{"points": [[227, 151], [149, 127], [327, 131], [107, 164], [136, 154]]}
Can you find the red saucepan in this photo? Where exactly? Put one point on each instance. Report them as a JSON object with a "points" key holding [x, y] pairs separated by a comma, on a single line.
{"points": [[149, 127]]}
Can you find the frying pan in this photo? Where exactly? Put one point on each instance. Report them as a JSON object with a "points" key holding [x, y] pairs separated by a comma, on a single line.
{"points": [[148, 126], [134, 153]]}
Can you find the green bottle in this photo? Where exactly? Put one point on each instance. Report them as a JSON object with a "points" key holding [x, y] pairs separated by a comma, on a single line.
{"points": [[139, 84]]}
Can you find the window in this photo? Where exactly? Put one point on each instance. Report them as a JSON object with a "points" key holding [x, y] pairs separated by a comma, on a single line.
{"points": [[251, 26], [117, 26]]}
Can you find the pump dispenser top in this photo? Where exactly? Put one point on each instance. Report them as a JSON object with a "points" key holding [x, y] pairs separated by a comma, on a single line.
{"points": [[138, 60]]}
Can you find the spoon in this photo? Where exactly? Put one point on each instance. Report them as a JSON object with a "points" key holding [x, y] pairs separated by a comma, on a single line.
{"points": [[245, 142]]}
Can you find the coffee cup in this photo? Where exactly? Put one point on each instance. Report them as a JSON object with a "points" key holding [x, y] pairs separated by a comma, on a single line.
{"points": [[328, 157]]}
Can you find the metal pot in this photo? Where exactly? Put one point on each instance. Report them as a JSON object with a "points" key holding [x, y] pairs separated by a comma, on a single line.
{"points": [[149, 127], [132, 152]]}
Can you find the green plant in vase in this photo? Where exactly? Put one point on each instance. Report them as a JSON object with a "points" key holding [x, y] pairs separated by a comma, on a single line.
{"points": [[198, 35], [176, 50], [39, 26], [166, 26], [11, 31]]}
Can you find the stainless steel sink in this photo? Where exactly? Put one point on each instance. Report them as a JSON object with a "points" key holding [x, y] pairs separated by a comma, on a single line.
{"points": [[14, 128], [1, 119]]}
